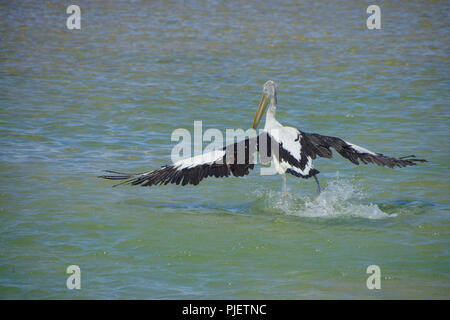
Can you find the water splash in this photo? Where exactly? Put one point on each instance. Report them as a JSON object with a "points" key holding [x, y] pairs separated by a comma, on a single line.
{"points": [[340, 198]]}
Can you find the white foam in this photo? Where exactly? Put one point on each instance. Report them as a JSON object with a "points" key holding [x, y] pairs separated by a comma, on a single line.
{"points": [[340, 198]]}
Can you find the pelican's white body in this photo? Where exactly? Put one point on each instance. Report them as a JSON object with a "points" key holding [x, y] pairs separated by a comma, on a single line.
{"points": [[288, 137]]}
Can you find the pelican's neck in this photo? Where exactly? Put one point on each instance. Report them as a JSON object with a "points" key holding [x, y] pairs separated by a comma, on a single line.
{"points": [[270, 115]]}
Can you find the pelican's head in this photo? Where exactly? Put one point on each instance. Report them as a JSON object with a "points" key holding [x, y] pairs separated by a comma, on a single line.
{"points": [[269, 94]]}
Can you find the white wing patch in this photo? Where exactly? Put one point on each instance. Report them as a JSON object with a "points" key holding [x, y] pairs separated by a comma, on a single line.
{"points": [[205, 158], [360, 149]]}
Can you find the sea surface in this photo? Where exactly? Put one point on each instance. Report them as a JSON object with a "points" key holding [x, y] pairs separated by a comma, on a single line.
{"points": [[108, 97]]}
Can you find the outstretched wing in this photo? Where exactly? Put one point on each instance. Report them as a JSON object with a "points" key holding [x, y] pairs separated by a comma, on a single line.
{"points": [[314, 144], [235, 159]]}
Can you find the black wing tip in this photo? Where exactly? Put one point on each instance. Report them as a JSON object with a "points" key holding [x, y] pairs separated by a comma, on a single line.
{"points": [[117, 176], [114, 177], [412, 158]]}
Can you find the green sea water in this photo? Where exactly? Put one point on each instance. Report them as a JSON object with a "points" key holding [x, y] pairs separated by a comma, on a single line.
{"points": [[108, 96]]}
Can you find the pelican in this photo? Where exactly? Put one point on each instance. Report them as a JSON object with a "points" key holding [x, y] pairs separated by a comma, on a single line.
{"points": [[289, 149]]}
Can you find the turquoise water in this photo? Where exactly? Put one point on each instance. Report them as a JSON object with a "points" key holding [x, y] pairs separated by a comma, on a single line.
{"points": [[108, 96]]}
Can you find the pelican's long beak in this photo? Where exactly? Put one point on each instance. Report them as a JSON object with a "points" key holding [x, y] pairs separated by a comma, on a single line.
{"points": [[261, 108]]}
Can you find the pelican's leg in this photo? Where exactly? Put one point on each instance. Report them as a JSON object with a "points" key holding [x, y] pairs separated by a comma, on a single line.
{"points": [[284, 187], [318, 184]]}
